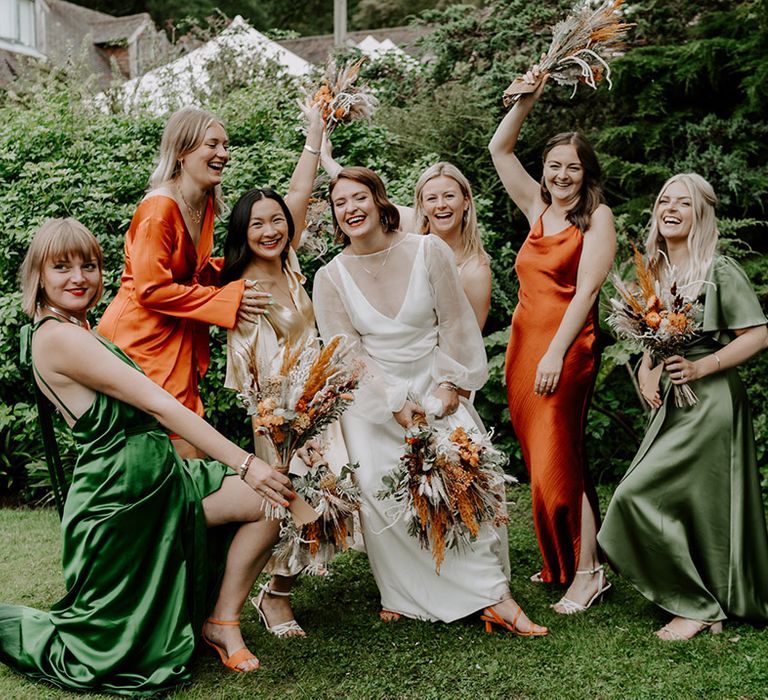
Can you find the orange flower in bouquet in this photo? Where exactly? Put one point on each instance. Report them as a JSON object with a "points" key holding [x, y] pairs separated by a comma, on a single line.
{"points": [[582, 44], [656, 317], [447, 484]]}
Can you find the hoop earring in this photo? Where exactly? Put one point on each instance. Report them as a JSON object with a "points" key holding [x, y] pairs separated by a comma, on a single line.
{"points": [[384, 220]]}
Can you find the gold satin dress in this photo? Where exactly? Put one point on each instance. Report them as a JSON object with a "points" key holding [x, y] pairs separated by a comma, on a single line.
{"points": [[264, 339]]}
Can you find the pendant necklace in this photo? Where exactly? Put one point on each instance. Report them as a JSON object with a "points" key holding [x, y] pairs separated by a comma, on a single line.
{"points": [[69, 317], [195, 214], [374, 275]]}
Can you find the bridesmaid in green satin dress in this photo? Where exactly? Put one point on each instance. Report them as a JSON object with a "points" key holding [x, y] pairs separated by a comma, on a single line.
{"points": [[686, 524], [138, 567]]}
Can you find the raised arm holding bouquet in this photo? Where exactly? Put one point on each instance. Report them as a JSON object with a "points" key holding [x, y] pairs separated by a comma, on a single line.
{"points": [[582, 45], [553, 353]]}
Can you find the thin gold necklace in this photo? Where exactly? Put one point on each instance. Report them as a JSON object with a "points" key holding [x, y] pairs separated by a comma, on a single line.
{"points": [[69, 317], [374, 275], [195, 214]]}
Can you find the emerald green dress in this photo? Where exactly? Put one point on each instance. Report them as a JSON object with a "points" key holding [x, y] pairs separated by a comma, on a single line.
{"points": [[135, 560], [686, 524]]}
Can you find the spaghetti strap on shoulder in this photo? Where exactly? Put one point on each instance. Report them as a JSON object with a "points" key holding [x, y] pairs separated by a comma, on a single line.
{"points": [[26, 353]]}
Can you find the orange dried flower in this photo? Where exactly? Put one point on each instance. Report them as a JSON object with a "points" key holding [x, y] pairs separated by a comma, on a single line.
{"points": [[653, 303], [678, 321], [467, 513], [652, 319], [312, 535]]}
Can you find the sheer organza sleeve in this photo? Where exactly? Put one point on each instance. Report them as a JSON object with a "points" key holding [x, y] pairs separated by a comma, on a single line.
{"points": [[379, 394], [460, 353]]}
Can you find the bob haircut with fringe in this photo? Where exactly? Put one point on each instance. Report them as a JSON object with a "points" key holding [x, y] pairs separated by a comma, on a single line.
{"points": [[56, 239]]}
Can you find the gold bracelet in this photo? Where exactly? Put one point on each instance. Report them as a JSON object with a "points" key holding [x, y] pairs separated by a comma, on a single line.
{"points": [[448, 385], [242, 470], [313, 151]]}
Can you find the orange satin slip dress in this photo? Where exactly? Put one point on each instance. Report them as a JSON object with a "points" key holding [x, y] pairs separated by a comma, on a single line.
{"points": [[551, 428]]}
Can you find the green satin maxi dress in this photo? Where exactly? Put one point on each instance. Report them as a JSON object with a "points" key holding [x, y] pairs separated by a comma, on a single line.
{"points": [[135, 559], [686, 524]]}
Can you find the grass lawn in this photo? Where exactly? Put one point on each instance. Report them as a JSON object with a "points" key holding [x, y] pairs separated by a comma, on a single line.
{"points": [[609, 652]]}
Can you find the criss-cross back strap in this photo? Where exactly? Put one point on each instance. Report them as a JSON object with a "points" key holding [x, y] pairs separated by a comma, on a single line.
{"points": [[45, 418]]}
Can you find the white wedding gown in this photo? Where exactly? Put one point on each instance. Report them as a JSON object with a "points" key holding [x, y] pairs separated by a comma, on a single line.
{"points": [[414, 328]]}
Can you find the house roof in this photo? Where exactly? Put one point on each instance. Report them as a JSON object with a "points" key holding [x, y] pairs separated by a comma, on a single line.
{"points": [[316, 49], [106, 31]]}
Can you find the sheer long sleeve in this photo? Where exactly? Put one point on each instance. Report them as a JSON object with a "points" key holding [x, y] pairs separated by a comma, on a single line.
{"points": [[379, 394], [459, 356]]}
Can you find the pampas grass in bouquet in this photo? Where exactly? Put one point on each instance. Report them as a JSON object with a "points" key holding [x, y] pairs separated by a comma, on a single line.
{"points": [[582, 45], [656, 317], [447, 484], [293, 396], [341, 99]]}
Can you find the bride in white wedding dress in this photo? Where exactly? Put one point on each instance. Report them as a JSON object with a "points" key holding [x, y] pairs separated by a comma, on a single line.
{"points": [[398, 297]]}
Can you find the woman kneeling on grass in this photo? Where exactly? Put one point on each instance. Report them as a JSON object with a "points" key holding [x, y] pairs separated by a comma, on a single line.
{"points": [[139, 575]]}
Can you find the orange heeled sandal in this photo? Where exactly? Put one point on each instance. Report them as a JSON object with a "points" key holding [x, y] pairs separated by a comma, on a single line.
{"points": [[388, 615], [491, 618], [242, 654]]}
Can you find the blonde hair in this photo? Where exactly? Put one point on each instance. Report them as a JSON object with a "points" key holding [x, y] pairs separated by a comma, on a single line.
{"points": [[183, 133], [56, 239], [472, 243], [702, 239]]}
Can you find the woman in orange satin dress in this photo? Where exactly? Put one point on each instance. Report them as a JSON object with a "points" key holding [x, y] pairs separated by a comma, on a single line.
{"points": [[169, 291], [552, 358]]}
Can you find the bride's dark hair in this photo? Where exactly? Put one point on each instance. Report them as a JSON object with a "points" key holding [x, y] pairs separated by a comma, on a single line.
{"points": [[390, 217]]}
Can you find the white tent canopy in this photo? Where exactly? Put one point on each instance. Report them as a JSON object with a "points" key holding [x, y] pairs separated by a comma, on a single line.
{"points": [[187, 80]]}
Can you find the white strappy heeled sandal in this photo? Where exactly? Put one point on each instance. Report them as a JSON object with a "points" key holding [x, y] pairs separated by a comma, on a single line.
{"points": [[571, 607], [289, 628], [669, 634]]}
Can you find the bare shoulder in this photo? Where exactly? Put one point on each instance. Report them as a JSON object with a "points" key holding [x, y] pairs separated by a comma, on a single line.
{"points": [[476, 270], [407, 219], [55, 331], [57, 344], [601, 217]]}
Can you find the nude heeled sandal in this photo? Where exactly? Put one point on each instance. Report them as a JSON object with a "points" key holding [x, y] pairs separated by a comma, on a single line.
{"points": [[571, 607], [667, 634], [289, 628]]}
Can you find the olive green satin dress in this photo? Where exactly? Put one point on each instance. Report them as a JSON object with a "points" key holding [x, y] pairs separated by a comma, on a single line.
{"points": [[686, 524], [135, 555]]}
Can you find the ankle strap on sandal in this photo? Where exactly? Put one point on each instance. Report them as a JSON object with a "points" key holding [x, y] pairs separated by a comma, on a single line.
{"points": [[231, 623], [590, 572], [271, 591]]}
